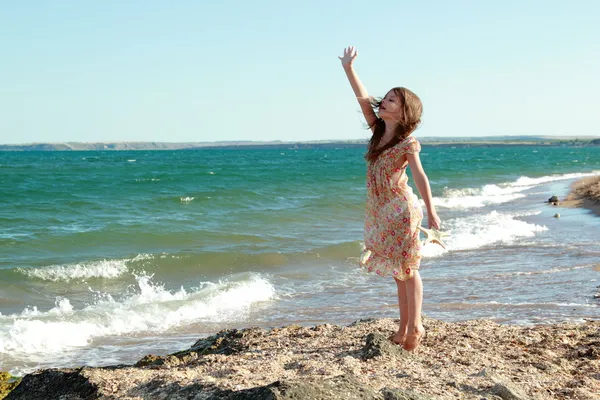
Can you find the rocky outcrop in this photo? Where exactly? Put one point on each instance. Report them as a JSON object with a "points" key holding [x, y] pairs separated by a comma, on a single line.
{"points": [[55, 384], [467, 360]]}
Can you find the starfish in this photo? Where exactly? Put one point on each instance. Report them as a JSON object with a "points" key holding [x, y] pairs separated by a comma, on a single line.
{"points": [[434, 236]]}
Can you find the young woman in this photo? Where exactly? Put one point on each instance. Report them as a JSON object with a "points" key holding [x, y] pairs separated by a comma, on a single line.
{"points": [[393, 213]]}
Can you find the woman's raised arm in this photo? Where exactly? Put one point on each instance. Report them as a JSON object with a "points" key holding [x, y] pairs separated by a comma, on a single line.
{"points": [[360, 92]]}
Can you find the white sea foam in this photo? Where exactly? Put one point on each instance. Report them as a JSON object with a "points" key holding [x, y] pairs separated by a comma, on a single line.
{"points": [[541, 304], [107, 269], [495, 194], [475, 198], [186, 199], [545, 271], [478, 231], [526, 181], [33, 334], [527, 213]]}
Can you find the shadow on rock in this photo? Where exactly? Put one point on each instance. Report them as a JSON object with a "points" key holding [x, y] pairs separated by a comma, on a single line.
{"points": [[55, 384], [377, 345], [341, 387]]}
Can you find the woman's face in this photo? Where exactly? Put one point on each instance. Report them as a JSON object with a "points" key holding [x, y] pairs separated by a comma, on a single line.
{"points": [[390, 106]]}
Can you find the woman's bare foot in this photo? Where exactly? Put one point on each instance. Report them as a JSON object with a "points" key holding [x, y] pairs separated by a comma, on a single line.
{"points": [[398, 337], [414, 338]]}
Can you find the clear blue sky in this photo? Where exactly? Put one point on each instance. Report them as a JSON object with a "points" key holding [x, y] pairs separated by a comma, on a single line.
{"points": [[268, 70]]}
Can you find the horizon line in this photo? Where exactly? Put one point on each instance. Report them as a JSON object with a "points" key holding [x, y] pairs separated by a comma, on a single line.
{"points": [[554, 137]]}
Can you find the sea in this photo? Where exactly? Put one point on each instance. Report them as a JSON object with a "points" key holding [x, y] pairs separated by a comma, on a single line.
{"points": [[106, 256]]}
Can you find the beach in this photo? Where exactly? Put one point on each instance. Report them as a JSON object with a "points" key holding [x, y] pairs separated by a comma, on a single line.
{"points": [[584, 193], [467, 360]]}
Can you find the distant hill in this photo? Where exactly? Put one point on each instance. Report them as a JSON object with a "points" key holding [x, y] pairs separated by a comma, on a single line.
{"points": [[104, 146], [433, 141]]}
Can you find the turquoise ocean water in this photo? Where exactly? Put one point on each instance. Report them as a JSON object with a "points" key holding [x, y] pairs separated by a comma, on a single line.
{"points": [[108, 256]]}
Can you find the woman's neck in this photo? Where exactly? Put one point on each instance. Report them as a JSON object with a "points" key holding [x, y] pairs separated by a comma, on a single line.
{"points": [[390, 131]]}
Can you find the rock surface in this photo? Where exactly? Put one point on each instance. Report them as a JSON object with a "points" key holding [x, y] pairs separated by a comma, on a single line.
{"points": [[467, 360]]}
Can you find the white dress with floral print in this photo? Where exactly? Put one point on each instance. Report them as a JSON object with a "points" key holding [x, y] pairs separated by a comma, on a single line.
{"points": [[393, 215]]}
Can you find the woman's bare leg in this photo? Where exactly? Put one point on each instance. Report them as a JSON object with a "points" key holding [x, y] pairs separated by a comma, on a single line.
{"points": [[400, 336], [414, 295]]}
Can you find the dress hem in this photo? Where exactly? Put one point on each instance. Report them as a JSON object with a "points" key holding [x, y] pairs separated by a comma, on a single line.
{"points": [[401, 269]]}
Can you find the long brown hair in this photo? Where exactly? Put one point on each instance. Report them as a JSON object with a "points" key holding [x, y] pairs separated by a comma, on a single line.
{"points": [[409, 118]]}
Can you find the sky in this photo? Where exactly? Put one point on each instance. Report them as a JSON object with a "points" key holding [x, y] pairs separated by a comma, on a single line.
{"points": [[197, 71]]}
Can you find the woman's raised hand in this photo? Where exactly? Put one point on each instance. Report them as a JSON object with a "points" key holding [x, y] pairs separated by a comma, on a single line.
{"points": [[350, 54]]}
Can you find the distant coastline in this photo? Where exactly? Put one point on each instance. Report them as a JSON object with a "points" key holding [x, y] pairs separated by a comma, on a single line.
{"points": [[430, 141]]}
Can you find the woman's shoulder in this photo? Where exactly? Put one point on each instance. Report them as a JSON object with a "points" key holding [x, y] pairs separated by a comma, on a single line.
{"points": [[409, 139], [410, 144]]}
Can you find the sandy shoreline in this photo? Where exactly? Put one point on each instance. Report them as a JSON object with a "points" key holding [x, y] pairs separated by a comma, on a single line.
{"points": [[584, 193], [465, 360]]}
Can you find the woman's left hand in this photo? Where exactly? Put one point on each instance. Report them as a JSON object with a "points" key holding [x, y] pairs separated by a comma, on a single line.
{"points": [[433, 220]]}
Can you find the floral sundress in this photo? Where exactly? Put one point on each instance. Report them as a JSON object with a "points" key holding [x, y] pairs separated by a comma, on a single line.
{"points": [[392, 216]]}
